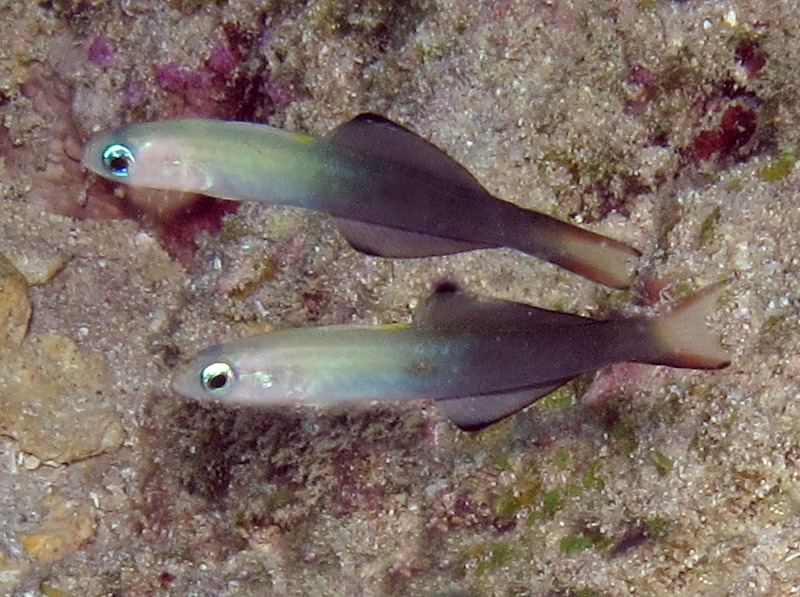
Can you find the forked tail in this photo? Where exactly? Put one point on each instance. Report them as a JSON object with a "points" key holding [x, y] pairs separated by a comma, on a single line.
{"points": [[681, 337]]}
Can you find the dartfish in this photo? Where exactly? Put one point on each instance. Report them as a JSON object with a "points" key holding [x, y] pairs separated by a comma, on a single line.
{"points": [[392, 193], [478, 360]]}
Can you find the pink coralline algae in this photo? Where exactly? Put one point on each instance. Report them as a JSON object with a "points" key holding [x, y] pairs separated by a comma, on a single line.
{"points": [[622, 379], [751, 58], [205, 215], [740, 108], [176, 78], [195, 92], [737, 127], [50, 157], [643, 85], [101, 53], [234, 82], [223, 61]]}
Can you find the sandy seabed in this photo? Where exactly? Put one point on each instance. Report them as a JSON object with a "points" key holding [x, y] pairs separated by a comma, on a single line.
{"points": [[667, 125]]}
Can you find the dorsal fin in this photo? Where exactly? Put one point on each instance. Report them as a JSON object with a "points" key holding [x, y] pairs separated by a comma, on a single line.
{"points": [[448, 308], [375, 135]]}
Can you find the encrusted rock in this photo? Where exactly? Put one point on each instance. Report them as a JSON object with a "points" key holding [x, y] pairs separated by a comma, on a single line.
{"points": [[15, 308], [67, 527], [39, 265], [53, 401], [12, 571]]}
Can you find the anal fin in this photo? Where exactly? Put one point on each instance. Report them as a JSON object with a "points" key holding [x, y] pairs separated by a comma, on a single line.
{"points": [[473, 413], [384, 241]]}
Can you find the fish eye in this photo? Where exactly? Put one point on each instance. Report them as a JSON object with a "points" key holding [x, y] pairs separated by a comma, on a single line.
{"points": [[217, 377], [118, 159]]}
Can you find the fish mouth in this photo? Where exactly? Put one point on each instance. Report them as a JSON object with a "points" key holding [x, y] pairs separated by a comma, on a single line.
{"points": [[186, 384]]}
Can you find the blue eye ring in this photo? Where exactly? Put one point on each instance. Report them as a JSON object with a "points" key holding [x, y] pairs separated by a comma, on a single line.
{"points": [[118, 160], [217, 378]]}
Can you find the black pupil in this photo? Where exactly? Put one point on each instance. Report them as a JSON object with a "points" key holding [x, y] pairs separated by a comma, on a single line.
{"points": [[118, 164], [218, 381]]}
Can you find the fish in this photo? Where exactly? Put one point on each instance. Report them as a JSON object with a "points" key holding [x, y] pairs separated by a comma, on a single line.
{"points": [[391, 192], [478, 360]]}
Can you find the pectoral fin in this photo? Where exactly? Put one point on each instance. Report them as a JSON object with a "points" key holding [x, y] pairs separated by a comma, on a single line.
{"points": [[473, 413]]}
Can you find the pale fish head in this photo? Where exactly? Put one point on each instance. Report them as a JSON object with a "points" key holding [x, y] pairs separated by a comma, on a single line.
{"points": [[238, 375], [151, 155]]}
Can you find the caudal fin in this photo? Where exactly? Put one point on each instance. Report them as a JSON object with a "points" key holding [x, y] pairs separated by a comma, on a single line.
{"points": [[591, 255], [599, 258], [681, 337]]}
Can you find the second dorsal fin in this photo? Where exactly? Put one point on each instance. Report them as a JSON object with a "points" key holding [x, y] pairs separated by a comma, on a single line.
{"points": [[448, 308]]}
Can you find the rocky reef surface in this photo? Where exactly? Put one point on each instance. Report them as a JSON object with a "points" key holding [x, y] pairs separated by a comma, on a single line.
{"points": [[668, 125]]}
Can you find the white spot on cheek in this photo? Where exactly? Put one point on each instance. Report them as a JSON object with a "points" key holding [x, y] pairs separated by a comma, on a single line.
{"points": [[265, 380], [260, 379]]}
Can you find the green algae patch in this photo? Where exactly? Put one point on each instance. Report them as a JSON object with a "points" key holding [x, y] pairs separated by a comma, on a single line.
{"points": [[561, 459], [552, 502], [506, 506], [625, 438], [662, 461], [498, 555], [561, 399], [586, 538], [499, 552], [592, 480], [573, 490], [502, 462], [522, 494], [492, 438], [779, 168], [48, 590], [708, 229], [776, 332], [575, 544], [656, 527]]}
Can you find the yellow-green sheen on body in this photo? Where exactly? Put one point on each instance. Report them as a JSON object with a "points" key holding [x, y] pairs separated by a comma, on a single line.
{"points": [[479, 361], [392, 193], [228, 160]]}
